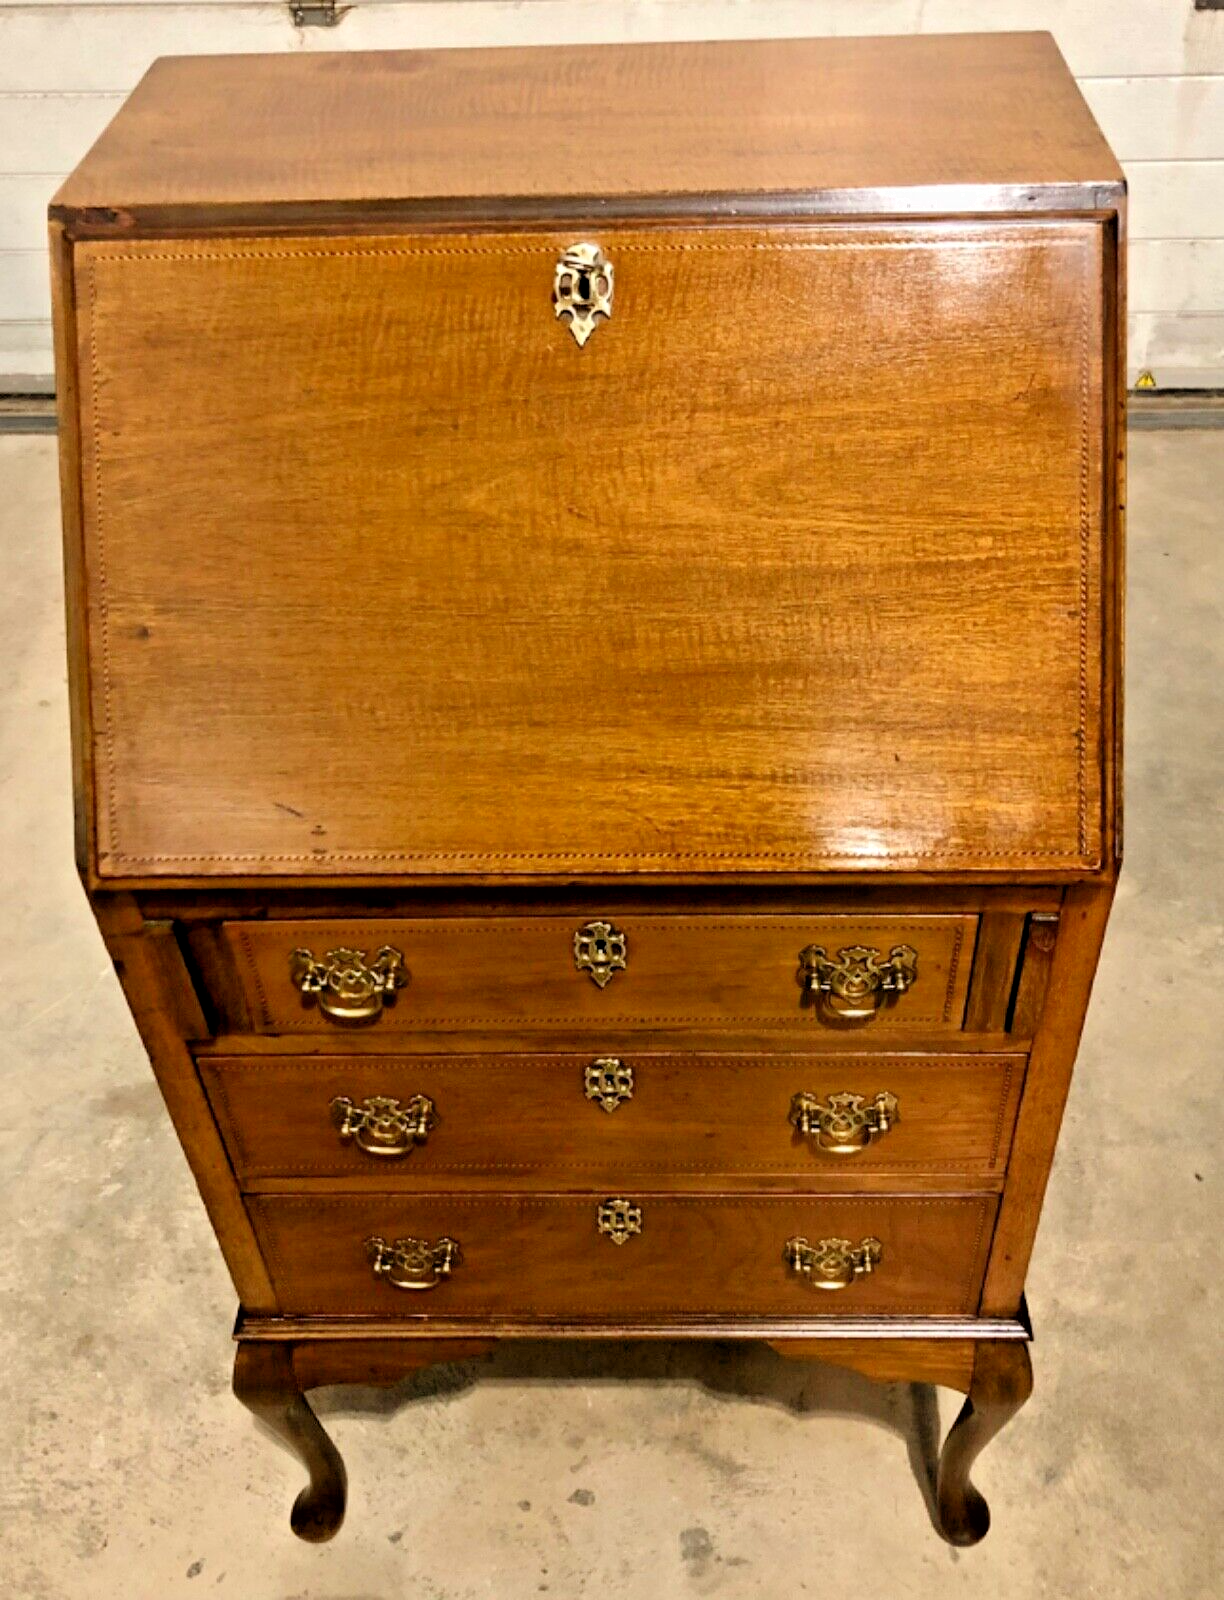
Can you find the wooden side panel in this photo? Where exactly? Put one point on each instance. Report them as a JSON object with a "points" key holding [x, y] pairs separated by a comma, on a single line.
{"points": [[795, 567], [513, 972], [68, 406], [683, 1115], [144, 957], [1081, 929], [543, 1255]]}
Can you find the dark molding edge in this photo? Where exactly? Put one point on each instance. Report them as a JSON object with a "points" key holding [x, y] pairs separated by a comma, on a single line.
{"points": [[301, 1329], [943, 202]]}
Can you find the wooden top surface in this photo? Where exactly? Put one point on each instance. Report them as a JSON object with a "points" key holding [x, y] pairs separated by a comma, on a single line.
{"points": [[945, 119]]}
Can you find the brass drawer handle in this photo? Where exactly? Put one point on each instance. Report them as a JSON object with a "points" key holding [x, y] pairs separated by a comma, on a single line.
{"points": [[859, 983], [381, 1126], [582, 288], [413, 1263], [832, 1263], [349, 987], [608, 1081], [844, 1124]]}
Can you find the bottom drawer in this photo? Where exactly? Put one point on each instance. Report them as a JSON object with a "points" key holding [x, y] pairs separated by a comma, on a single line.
{"points": [[617, 1256]]}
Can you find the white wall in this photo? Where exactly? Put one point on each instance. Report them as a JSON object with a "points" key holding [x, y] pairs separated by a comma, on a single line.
{"points": [[1153, 71]]}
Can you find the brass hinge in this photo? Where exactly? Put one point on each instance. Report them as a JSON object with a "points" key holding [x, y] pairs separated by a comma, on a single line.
{"points": [[317, 13]]}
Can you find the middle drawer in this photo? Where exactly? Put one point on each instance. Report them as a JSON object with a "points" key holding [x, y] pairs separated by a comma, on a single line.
{"points": [[813, 1117]]}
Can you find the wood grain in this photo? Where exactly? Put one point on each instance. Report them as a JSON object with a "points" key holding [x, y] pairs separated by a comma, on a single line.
{"points": [[157, 990], [713, 554], [983, 110], [1081, 930], [377, 1361], [947, 1361], [265, 1382], [68, 410], [1033, 974], [733, 971], [1001, 1383], [995, 963], [542, 1255], [688, 1115]]}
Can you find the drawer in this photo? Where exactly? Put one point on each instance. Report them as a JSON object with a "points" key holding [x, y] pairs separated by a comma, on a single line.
{"points": [[881, 973], [612, 1255], [816, 1119], [795, 567]]}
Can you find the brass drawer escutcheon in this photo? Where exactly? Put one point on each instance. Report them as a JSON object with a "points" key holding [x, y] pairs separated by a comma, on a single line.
{"points": [[619, 1220], [844, 1124], [859, 983], [582, 288], [608, 1081], [413, 1263], [349, 987], [832, 1263], [381, 1125], [602, 950]]}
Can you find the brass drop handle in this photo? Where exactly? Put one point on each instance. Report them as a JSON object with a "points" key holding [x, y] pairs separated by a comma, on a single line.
{"points": [[381, 1126], [347, 984], [855, 986], [413, 1263], [843, 1124], [832, 1263]]}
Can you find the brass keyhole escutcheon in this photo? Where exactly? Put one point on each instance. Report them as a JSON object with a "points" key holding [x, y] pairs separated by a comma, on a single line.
{"points": [[602, 950], [619, 1220], [582, 288], [608, 1081]]}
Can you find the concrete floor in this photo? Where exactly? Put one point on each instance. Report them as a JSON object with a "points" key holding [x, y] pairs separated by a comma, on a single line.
{"points": [[636, 1472]]}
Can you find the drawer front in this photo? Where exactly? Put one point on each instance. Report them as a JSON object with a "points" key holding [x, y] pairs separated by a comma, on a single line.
{"points": [[613, 1255], [794, 566], [817, 1119], [640, 971]]}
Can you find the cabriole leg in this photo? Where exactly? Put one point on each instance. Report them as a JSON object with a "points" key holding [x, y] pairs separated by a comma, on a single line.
{"points": [[1002, 1381], [265, 1382]]}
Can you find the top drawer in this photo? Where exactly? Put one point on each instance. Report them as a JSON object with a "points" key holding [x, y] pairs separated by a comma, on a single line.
{"points": [[794, 566], [406, 974]]}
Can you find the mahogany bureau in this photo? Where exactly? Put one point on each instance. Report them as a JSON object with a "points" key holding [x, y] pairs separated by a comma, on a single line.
{"points": [[594, 618]]}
